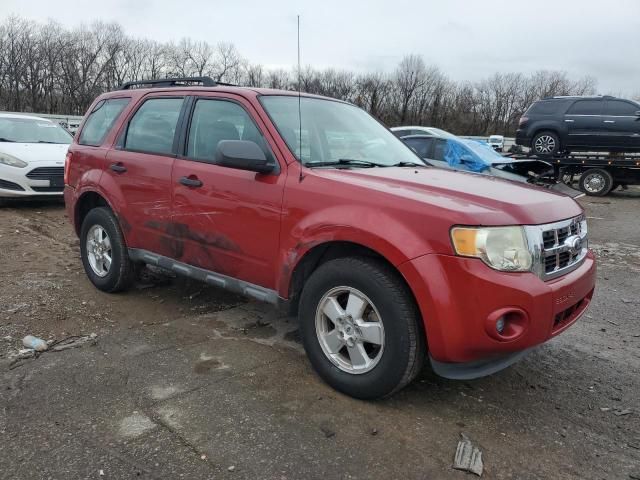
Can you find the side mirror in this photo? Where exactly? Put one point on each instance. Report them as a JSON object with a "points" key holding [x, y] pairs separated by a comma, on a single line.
{"points": [[243, 155]]}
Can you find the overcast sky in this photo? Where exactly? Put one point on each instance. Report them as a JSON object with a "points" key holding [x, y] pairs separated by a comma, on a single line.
{"points": [[467, 39]]}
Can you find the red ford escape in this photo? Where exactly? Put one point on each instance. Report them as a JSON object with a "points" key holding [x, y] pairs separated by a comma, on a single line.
{"points": [[310, 203]]}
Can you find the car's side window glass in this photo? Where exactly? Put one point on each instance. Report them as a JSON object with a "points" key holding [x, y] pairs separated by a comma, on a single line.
{"points": [[100, 121], [420, 145], [216, 120], [438, 151], [586, 107], [401, 133], [153, 126], [620, 108], [543, 108]]}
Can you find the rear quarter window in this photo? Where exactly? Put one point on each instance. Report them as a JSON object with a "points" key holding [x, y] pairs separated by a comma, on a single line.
{"points": [[544, 108], [100, 121]]}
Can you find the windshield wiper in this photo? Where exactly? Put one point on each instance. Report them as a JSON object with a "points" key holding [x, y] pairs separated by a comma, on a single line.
{"points": [[46, 141], [2, 139], [407, 164], [344, 162]]}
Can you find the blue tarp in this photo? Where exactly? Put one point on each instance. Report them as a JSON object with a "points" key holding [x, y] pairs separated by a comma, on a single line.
{"points": [[470, 155]]}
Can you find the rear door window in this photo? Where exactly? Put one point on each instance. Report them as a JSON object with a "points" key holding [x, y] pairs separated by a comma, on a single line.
{"points": [[100, 121], [586, 107], [153, 127], [620, 108]]}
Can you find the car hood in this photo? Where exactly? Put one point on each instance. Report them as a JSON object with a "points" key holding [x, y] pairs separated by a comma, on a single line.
{"points": [[466, 198], [36, 152]]}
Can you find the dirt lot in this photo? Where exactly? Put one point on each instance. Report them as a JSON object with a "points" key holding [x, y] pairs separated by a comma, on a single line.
{"points": [[186, 381]]}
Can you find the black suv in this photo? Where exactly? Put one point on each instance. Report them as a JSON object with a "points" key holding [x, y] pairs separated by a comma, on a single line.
{"points": [[563, 124]]}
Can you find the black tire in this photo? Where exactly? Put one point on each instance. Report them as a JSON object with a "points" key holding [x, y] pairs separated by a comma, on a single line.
{"points": [[121, 272], [596, 182], [546, 144], [404, 350]]}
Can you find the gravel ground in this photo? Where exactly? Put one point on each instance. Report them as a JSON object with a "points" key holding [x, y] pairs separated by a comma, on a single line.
{"points": [[187, 381]]}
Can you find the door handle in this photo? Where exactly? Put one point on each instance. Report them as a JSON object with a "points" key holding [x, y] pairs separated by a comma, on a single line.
{"points": [[118, 167], [569, 121], [190, 182], [609, 121]]}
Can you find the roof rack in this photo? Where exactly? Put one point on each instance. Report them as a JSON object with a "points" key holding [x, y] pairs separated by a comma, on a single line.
{"points": [[558, 97], [174, 82]]}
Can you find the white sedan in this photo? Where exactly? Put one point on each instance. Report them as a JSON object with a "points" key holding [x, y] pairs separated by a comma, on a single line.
{"points": [[32, 155]]}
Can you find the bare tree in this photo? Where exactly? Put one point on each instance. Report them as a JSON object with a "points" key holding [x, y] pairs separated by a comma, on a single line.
{"points": [[47, 68]]}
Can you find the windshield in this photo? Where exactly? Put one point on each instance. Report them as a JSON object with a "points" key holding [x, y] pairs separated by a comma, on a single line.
{"points": [[495, 139], [333, 132], [32, 130]]}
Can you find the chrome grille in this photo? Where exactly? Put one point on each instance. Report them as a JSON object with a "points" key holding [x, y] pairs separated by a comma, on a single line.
{"points": [[558, 248]]}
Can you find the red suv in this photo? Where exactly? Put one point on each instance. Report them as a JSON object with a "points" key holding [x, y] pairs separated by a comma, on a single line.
{"points": [[310, 203]]}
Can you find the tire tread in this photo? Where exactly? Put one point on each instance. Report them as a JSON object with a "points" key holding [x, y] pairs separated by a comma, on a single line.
{"points": [[399, 294], [126, 273]]}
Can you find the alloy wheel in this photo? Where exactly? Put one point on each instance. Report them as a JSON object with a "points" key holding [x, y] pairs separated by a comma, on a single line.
{"points": [[350, 330], [545, 144], [99, 251]]}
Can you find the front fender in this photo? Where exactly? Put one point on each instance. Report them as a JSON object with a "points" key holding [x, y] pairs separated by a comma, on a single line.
{"points": [[376, 231]]}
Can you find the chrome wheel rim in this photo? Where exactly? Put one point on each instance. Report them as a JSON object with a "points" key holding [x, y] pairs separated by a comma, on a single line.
{"points": [[545, 144], [594, 183], [99, 251], [349, 329]]}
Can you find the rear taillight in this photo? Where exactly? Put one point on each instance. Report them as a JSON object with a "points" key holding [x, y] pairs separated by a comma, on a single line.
{"points": [[67, 167], [523, 120]]}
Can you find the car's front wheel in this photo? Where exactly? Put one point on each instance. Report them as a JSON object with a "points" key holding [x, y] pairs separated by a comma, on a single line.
{"points": [[546, 144], [104, 253], [361, 328]]}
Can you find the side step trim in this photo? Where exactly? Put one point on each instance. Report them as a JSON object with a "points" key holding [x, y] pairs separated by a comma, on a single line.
{"points": [[212, 278]]}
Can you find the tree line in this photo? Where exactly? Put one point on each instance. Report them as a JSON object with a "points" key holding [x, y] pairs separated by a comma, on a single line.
{"points": [[47, 68]]}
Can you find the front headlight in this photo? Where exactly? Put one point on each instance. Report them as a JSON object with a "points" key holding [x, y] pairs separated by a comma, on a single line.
{"points": [[502, 248], [12, 161]]}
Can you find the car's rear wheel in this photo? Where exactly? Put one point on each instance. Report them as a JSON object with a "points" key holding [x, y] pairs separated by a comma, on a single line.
{"points": [[361, 328], [104, 253], [546, 144], [596, 182]]}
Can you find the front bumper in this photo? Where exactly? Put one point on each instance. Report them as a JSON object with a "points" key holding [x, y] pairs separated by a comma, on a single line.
{"points": [[460, 298], [42, 179]]}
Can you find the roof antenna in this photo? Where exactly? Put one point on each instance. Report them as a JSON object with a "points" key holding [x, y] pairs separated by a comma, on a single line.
{"points": [[299, 106]]}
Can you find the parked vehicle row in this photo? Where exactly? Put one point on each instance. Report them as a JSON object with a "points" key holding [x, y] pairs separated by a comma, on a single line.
{"points": [[32, 154], [311, 204], [445, 150]]}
